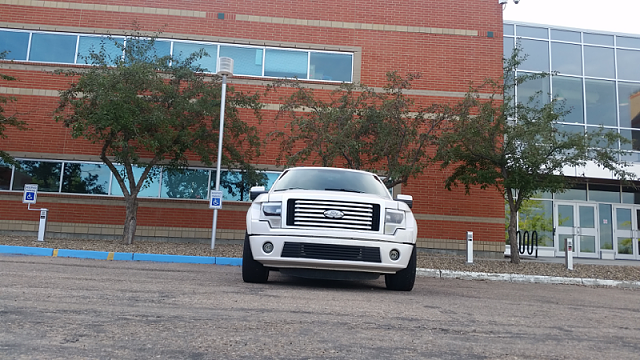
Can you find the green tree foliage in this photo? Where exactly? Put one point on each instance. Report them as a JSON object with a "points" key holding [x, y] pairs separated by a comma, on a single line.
{"points": [[8, 120], [359, 128], [154, 113], [517, 147]]}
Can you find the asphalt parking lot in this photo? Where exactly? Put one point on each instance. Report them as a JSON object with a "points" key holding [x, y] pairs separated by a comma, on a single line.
{"points": [[55, 308]]}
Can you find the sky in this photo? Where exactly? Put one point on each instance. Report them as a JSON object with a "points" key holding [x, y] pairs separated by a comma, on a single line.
{"points": [[620, 16]]}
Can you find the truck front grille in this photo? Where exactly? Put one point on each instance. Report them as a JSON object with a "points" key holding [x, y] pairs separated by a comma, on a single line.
{"points": [[311, 214], [331, 252]]}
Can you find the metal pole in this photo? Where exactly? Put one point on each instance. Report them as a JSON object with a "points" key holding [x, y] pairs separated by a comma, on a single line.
{"points": [[223, 98]]}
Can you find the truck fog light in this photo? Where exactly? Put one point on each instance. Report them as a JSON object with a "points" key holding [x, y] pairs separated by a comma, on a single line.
{"points": [[267, 247], [394, 254]]}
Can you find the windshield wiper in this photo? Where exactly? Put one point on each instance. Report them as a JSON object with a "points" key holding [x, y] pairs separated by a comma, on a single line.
{"points": [[290, 188], [346, 190]]}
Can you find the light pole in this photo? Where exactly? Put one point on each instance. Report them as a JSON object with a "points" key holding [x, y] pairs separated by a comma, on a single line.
{"points": [[225, 67]]}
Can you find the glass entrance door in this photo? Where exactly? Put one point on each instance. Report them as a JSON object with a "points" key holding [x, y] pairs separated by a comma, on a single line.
{"points": [[626, 232], [577, 222]]}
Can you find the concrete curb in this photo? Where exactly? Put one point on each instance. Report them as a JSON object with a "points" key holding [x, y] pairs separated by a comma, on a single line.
{"points": [[518, 278], [209, 260], [118, 256]]}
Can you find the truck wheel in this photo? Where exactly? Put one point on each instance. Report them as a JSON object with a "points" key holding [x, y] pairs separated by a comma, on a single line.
{"points": [[404, 279], [252, 271]]}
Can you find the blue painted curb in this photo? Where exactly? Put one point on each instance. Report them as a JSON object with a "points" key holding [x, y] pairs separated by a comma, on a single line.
{"points": [[105, 255], [25, 250], [83, 254], [175, 258], [229, 261]]}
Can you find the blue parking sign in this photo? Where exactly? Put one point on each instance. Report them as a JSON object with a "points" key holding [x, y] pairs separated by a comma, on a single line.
{"points": [[215, 200], [30, 194]]}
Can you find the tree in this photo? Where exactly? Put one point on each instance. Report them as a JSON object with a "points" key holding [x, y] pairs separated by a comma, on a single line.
{"points": [[154, 113], [517, 147], [359, 128], [8, 120]]}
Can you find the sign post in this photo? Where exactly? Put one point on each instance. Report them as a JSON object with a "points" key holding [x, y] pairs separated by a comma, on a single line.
{"points": [[215, 203], [29, 197]]}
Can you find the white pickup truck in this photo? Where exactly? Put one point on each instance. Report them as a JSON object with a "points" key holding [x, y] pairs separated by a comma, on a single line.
{"points": [[330, 223]]}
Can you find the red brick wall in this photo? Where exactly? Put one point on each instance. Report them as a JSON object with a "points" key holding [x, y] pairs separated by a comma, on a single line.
{"points": [[447, 63]]}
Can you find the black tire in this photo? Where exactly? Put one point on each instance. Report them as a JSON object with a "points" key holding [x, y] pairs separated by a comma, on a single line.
{"points": [[252, 271], [404, 279]]}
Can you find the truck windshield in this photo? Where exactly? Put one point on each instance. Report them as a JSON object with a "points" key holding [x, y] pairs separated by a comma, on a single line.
{"points": [[331, 180]]}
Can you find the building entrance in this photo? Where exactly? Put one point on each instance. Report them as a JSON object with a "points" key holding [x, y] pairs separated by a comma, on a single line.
{"points": [[626, 232], [577, 222]]}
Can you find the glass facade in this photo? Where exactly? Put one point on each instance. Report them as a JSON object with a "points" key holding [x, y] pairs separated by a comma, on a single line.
{"points": [[597, 77], [260, 61], [88, 178]]}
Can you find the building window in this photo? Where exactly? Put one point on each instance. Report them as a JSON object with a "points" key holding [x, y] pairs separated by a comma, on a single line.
{"points": [[258, 61], [83, 178], [45, 174], [185, 184]]}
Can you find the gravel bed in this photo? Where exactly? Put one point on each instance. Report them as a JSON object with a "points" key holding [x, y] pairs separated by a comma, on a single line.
{"points": [[425, 260]]}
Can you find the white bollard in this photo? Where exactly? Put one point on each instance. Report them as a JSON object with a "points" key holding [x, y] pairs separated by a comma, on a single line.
{"points": [[469, 247], [43, 224], [568, 253]]}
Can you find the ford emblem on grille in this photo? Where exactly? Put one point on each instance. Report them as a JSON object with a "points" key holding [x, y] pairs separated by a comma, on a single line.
{"points": [[333, 214]]}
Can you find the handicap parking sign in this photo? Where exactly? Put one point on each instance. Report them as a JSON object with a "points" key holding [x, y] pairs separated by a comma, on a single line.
{"points": [[215, 200], [30, 194]]}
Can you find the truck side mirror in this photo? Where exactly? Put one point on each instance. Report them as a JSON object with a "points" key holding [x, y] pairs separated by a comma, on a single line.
{"points": [[407, 199], [256, 191]]}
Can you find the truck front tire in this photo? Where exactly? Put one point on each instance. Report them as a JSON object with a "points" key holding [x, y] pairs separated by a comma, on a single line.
{"points": [[404, 279], [252, 271]]}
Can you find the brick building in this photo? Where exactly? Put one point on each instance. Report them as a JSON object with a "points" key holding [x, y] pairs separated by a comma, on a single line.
{"points": [[323, 42]]}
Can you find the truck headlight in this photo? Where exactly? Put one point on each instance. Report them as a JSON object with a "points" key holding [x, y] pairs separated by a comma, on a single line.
{"points": [[393, 220], [271, 212]]}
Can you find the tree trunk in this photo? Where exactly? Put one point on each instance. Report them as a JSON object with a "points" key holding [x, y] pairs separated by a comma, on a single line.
{"points": [[513, 240], [130, 222]]}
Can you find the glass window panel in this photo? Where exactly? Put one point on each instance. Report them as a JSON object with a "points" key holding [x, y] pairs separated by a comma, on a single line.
{"points": [[598, 39], [598, 62], [625, 246], [604, 193], [53, 48], [535, 90], [271, 178], [328, 66], [578, 192], [630, 195], [531, 31], [45, 174], [537, 55], [566, 58], [597, 140], [565, 35], [606, 227], [507, 29], [15, 43], [182, 50], [5, 175], [601, 102], [96, 44], [246, 60], [235, 185], [286, 64], [634, 139], [629, 42], [628, 65], [185, 184], [86, 178], [569, 93], [151, 190], [629, 97], [508, 45], [565, 215], [587, 217], [623, 219], [537, 215], [162, 48]]}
